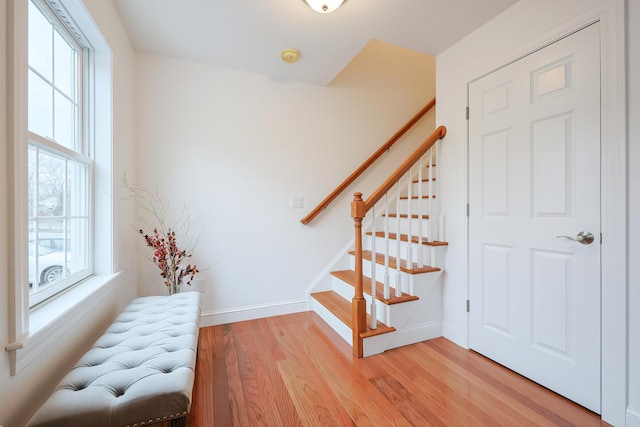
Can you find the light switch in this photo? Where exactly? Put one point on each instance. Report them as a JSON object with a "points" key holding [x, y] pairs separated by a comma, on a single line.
{"points": [[296, 202]]}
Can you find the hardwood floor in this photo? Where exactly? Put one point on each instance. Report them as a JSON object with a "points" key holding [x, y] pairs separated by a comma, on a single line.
{"points": [[294, 370]]}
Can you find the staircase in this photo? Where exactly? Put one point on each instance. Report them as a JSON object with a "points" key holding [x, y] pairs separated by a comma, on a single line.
{"points": [[399, 257]]}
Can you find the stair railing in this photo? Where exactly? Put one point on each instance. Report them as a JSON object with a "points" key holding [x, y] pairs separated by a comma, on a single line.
{"points": [[404, 175], [375, 156]]}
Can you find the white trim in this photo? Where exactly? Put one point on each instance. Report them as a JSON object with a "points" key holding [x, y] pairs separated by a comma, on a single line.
{"points": [[61, 151], [25, 340], [17, 235], [67, 20], [49, 322], [416, 334], [450, 329], [379, 343], [613, 190], [633, 418], [614, 216], [240, 314]]}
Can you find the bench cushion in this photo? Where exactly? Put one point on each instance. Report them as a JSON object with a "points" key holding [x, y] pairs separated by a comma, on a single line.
{"points": [[141, 371]]}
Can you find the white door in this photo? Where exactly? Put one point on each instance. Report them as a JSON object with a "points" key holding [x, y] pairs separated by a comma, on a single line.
{"points": [[534, 174]]}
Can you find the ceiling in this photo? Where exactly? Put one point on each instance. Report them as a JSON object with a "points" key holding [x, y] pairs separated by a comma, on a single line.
{"points": [[250, 34]]}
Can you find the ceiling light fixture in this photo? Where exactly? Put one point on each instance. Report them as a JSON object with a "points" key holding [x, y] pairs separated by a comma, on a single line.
{"points": [[324, 6], [290, 55]]}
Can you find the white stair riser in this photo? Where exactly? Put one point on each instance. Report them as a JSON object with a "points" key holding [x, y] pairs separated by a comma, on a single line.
{"points": [[421, 284], [426, 204], [415, 334], [408, 281], [415, 187], [336, 324], [376, 344], [343, 289], [404, 226], [392, 315], [380, 272], [431, 255]]}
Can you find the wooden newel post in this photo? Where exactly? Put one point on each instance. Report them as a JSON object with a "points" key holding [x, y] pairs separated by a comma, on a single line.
{"points": [[358, 304]]}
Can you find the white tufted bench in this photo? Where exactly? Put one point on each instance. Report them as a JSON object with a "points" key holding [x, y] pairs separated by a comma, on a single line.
{"points": [[140, 372]]}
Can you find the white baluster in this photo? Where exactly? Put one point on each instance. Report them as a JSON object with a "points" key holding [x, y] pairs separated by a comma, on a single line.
{"points": [[432, 216], [398, 274], [436, 204], [431, 185], [386, 246], [374, 320], [409, 231], [433, 202], [420, 245]]}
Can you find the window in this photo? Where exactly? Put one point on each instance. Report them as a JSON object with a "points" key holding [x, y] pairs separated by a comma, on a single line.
{"points": [[60, 71], [60, 163]]}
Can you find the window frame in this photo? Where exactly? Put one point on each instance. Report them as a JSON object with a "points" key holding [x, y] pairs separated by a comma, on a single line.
{"points": [[33, 331], [81, 153]]}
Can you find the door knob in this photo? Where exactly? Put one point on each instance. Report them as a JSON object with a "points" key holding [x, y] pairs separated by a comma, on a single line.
{"points": [[583, 237]]}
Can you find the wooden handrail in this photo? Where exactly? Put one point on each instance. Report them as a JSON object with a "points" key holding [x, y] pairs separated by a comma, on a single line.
{"points": [[395, 177], [375, 156], [359, 209]]}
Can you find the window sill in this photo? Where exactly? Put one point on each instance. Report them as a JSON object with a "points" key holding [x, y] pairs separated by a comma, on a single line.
{"points": [[51, 321]]}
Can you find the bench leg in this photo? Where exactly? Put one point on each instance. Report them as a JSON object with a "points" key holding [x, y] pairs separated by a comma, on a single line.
{"points": [[179, 422]]}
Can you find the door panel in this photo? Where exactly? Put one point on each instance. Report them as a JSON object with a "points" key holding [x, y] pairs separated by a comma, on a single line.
{"points": [[534, 174]]}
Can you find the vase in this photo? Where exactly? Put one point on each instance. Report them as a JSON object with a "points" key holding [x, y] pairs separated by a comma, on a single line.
{"points": [[174, 285]]}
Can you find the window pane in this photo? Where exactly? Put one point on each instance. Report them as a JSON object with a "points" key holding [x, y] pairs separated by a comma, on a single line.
{"points": [[40, 106], [78, 248], [32, 176], [51, 179], [65, 122], [40, 42], [77, 189], [33, 261], [64, 66], [47, 264]]}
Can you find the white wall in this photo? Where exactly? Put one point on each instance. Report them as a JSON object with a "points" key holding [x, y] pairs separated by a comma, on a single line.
{"points": [[234, 146], [633, 90], [524, 26], [23, 393]]}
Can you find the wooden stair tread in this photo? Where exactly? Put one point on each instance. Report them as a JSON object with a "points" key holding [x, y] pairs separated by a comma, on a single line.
{"points": [[403, 263], [404, 238], [414, 216], [341, 308], [349, 276], [415, 181], [416, 197]]}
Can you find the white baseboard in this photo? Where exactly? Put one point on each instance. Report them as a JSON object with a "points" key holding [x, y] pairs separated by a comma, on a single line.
{"points": [[417, 334], [633, 418], [451, 332], [379, 343], [240, 314]]}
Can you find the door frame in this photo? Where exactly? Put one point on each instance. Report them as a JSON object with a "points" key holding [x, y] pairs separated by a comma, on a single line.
{"points": [[513, 340], [614, 257]]}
